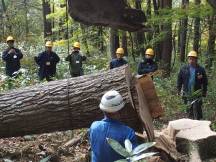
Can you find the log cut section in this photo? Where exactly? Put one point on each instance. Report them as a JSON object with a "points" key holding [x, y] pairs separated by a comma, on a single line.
{"points": [[112, 13]]}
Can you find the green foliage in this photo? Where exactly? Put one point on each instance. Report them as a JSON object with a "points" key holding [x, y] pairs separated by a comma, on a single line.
{"points": [[20, 17], [129, 154], [27, 75]]}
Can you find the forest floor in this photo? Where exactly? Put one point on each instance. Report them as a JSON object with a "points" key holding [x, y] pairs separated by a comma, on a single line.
{"points": [[37, 147], [34, 148]]}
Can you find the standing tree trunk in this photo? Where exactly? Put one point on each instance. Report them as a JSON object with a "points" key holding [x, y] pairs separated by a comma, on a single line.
{"points": [[47, 23], [211, 40], [26, 20], [183, 32], [100, 43], [114, 42], [157, 46], [148, 14], [124, 42], [166, 53], [197, 34], [6, 18], [139, 36], [84, 35]]}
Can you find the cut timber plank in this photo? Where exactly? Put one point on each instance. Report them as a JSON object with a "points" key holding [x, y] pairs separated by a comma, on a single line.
{"points": [[152, 99], [144, 112]]}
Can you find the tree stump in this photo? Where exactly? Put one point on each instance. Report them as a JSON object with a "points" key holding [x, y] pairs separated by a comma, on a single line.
{"points": [[195, 138]]}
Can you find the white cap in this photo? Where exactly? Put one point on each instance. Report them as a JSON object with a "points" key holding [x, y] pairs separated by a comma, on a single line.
{"points": [[111, 102]]}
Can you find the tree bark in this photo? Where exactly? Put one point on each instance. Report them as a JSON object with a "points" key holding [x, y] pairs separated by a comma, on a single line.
{"points": [[114, 42], [112, 13], [100, 43], [124, 43], [166, 53], [211, 41], [64, 104], [157, 46], [47, 23], [84, 40], [183, 32], [5, 17], [26, 19], [139, 36], [197, 34]]}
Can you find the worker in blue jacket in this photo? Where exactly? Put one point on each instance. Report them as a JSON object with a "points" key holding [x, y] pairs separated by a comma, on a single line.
{"points": [[47, 62], [192, 77], [12, 57], [119, 60], [111, 105], [147, 65]]}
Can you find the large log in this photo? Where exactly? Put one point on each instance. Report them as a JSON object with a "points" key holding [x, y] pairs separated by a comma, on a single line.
{"points": [[69, 104], [62, 105], [112, 13]]}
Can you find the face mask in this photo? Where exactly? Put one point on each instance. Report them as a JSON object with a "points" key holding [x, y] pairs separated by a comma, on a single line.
{"points": [[148, 57]]}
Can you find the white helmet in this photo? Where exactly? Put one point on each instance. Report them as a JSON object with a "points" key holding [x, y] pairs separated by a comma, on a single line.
{"points": [[111, 102]]}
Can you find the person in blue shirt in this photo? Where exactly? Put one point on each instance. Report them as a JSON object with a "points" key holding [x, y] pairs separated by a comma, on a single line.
{"points": [[12, 57], [192, 77], [47, 62], [147, 65], [111, 104], [119, 60]]}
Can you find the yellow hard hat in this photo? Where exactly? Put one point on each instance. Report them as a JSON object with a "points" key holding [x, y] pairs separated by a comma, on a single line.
{"points": [[49, 44], [120, 51], [192, 54], [10, 38], [76, 45], [150, 52]]}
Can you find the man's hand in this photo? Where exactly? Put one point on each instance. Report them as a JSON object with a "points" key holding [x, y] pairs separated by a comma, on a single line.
{"points": [[12, 51]]}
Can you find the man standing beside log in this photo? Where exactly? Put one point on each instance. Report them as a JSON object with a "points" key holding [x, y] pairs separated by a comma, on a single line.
{"points": [[192, 78], [76, 60], [119, 61], [12, 57], [47, 61], [111, 104], [147, 65]]}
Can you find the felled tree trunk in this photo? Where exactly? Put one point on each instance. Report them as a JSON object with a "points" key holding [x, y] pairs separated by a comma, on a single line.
{"points": [[71, 104], [62, 105]]}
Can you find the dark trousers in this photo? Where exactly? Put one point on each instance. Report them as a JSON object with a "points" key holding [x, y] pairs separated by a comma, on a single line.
{"points": [[195, 107]]}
